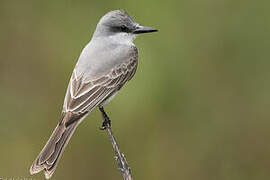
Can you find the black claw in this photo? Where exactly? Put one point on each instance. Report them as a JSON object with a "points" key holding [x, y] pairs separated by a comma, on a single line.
{"points": [[102, 128], [106, 121]]}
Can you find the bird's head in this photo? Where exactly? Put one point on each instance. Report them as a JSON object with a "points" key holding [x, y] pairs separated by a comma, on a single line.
{"points": [[118, 21]]}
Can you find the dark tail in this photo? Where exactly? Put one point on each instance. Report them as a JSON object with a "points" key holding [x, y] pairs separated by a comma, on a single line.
{"points": [[52, 151]]}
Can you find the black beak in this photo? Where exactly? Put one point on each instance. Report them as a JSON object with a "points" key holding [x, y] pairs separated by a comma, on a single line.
{"points": [[144, 29]]}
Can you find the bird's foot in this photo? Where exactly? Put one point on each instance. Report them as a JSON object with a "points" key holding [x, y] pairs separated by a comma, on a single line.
{"points": [[106, 123], [106, 120]]}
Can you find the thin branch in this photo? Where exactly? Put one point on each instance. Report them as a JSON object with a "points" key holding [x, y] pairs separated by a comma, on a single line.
{"points": [[121, 160]]}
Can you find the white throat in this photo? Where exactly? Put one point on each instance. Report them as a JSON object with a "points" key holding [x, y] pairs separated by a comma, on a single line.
{"points": [[122, 38]]}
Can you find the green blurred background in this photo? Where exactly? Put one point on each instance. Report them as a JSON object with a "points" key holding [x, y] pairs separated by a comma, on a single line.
{"points": [[197, 108]]}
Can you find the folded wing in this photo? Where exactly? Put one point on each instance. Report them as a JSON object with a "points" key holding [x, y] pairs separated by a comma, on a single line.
{"points": [[84, 95]]}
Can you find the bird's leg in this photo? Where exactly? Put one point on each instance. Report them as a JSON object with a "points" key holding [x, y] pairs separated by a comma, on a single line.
{"points": [[106, 120]]}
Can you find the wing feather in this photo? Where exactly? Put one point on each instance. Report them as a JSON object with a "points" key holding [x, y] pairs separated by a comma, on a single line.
{"points": [[83, 96]]}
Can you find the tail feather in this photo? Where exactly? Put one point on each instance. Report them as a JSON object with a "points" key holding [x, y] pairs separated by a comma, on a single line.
{"points": [[52, 151]]}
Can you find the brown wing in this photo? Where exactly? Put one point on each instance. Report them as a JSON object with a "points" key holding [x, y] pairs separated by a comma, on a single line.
{"points": [[83, 96]]}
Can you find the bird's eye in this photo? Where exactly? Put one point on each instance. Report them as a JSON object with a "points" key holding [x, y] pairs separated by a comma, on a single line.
{"points": [[124, 28]]}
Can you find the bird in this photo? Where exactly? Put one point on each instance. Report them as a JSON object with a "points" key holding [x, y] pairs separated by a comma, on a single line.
{"points": [[105, 64]]}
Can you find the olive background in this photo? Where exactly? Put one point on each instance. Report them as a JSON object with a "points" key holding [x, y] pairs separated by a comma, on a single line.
{"points": [[197, 108]]}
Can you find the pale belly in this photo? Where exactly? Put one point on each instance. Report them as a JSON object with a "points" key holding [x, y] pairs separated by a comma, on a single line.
{"points": [[107, 100]]}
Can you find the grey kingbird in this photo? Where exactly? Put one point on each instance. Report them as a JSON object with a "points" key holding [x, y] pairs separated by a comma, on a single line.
{"points": [[106, 63]]}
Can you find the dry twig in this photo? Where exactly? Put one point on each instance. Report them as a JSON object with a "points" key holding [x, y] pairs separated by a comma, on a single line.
{"points": [[121, 160]]}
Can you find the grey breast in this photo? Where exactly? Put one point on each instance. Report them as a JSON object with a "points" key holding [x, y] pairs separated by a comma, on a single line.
{"points": [[98, 59]]}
